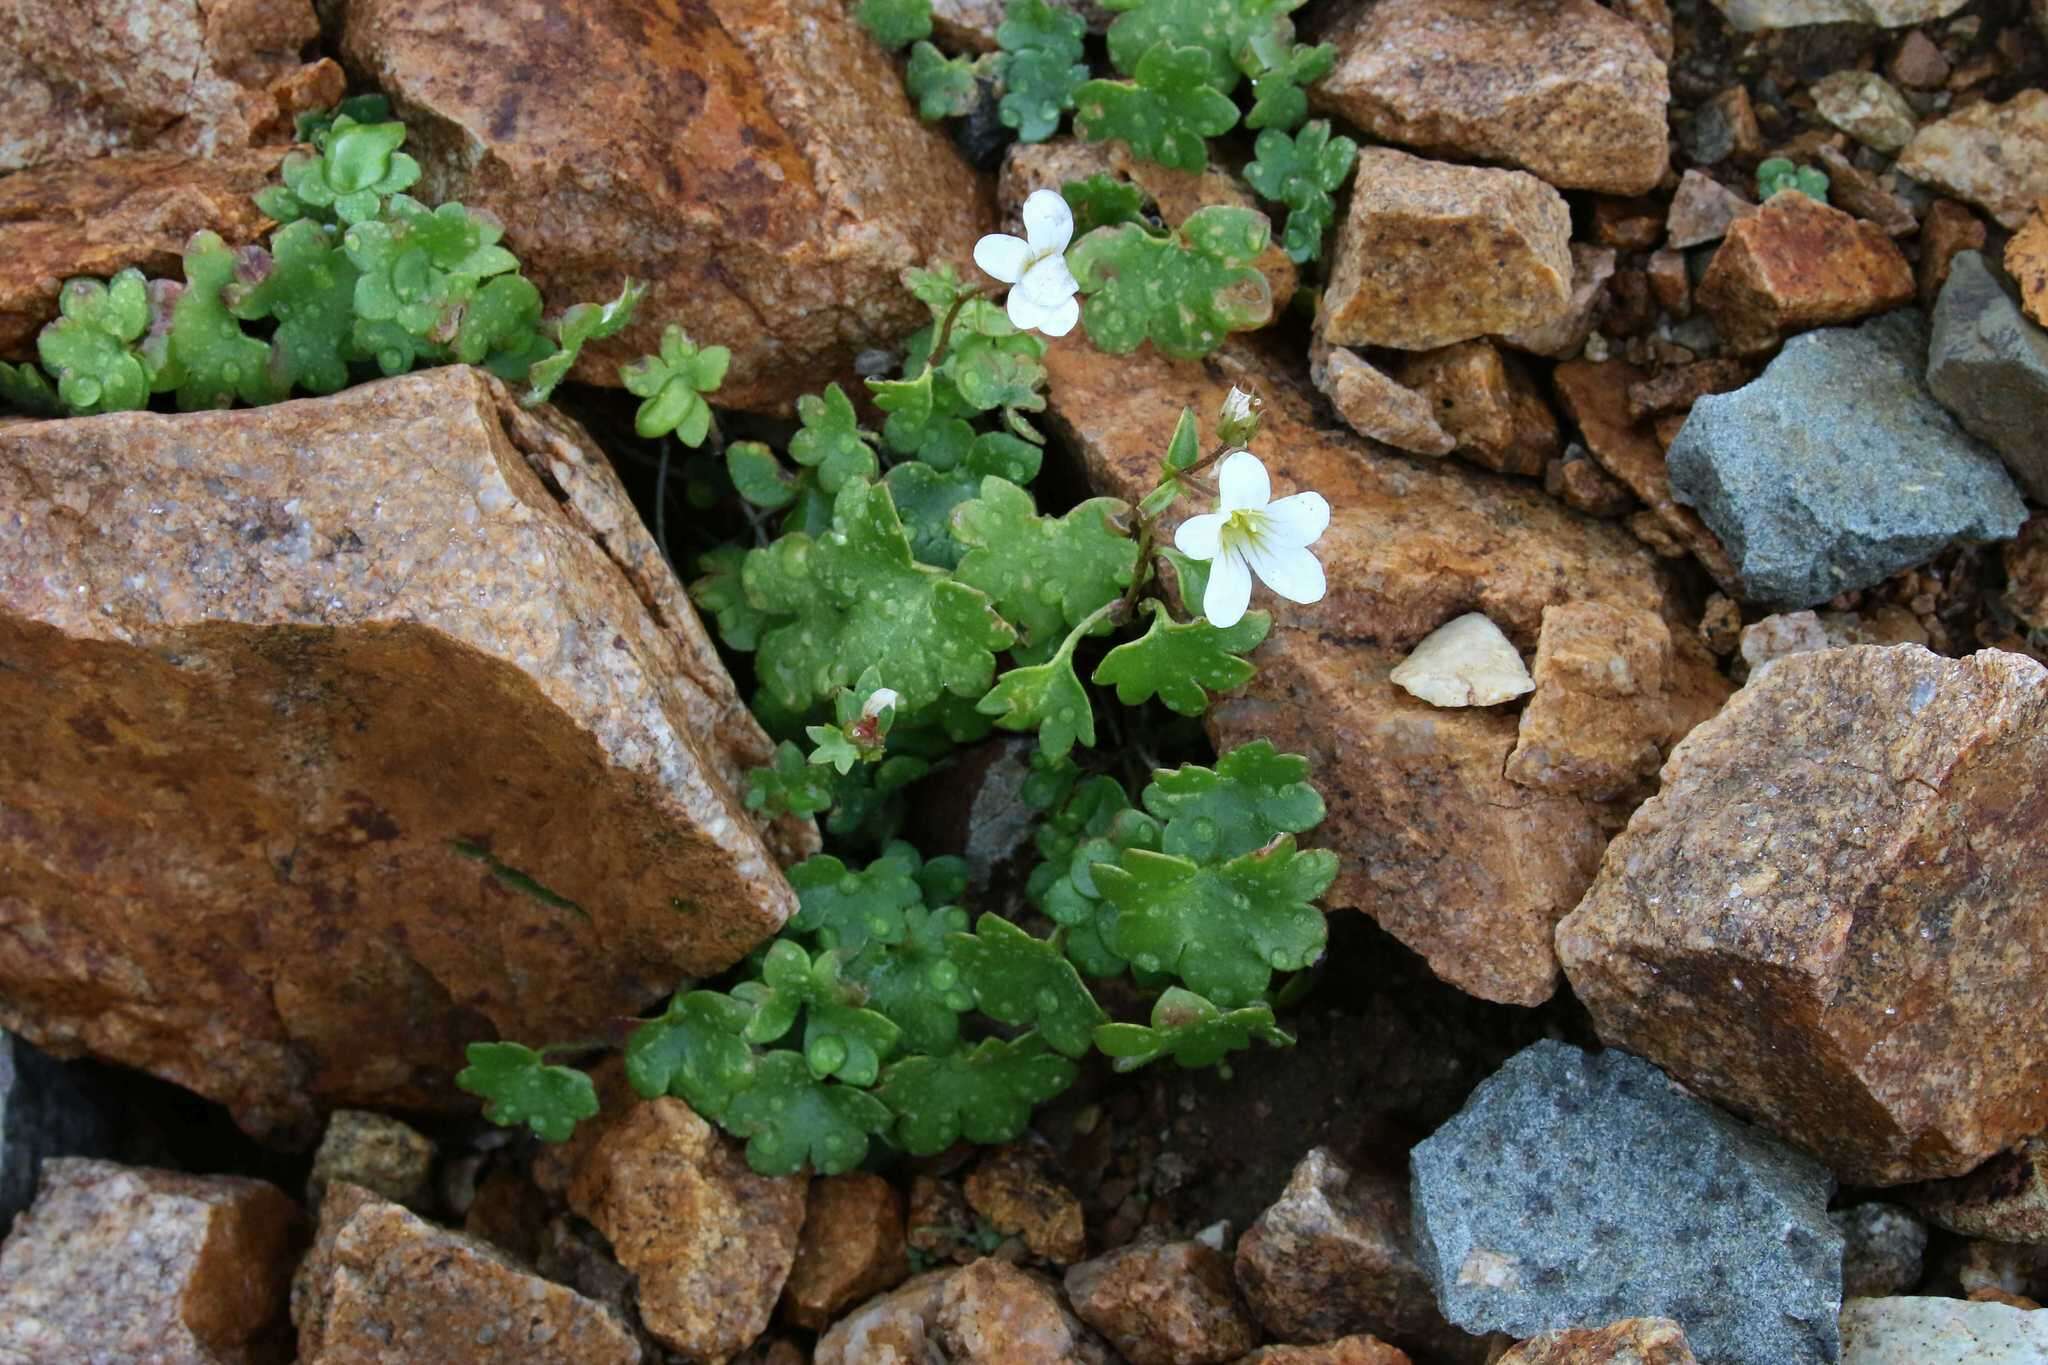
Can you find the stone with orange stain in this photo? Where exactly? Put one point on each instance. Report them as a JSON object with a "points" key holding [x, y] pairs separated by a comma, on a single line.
{"points": [[1164, 1303], [1374, 406], [1798, 264], [755, 161], [393, 695], [1600, 718], [1353, 1350], [1014, 1189], [1993, 155], [1632, 1341], [1488, 403], [986, 1313], [851, 1248], [2026, 259]]}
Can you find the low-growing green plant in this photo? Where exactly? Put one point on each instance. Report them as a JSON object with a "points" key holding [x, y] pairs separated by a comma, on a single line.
{"points": [[1781, 173]]}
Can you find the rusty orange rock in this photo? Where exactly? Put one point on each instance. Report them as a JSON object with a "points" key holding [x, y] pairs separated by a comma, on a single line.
{"points": [[341, 733], [1356, 1350], [1486, 400], [851, 1247], [1632, 1341], [755, 161], [1600, 718], [1015, 1191], [1795, 264], [2026, 259], [1373, 405], [1164, 1303]]}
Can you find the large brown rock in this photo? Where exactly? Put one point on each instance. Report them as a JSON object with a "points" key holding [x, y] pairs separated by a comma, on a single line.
{"points": [[755, 161], [1831, 917], [1464, 866], [119, 1263], [341, 733], [88, 77], [381, 1284], [710, 1241], [1993, 155], [1798, 263], [96, 217], [1564, 88], [1432, 253]]}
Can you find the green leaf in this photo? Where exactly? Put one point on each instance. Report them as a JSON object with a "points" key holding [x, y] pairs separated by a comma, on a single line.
{"points": [[693, 1051], [356, 167], [1102, 200], [502, 318], [582, 322], [1165, 114], [720, 592], [832, 441], [984, 1094], [758, 476], [308, 285], [790, 1117], [1223, 929], [1041, 67], [840, 1038], [914, 981], [673, 384], [208, 358], [1303, 171], [926, 495], [23, 388], [1018, 979], [520, 1087], [1280, 75], [858, 600], [1175, 661], [1184, 447], [1780, 173], [844, 909], [1253, 794], [1221, 29], [1190, 1030], [942, 86], [997, 372], [896, 23], [90, 348], [907, 401], [788, 785], [1045, 697], [1183, 291], [1035, 25], [1045, 575]]}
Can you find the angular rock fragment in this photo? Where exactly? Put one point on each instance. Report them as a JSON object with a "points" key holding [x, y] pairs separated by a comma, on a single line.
{"points": [[2005, 1199], [987, 1313], [1486, 401], [1702, 210], [1844, 855], [1592, 269], [376, 1152], [1993, 155], [1581, 483], [381, 1284], [1464, 662], [1632, 1341], [1837, 468], [1949, 231], [1432, 253], [1867, 107], [1601, 714], [1915, 1331], [1564, 88], [1575, 1189], [1356, 1350], [2026, 260], [1799, 263], [1374, 406], [393, 694], [851, 1248], [755, 161], [1012, 1188], [1989, 366], [1163, 1303]]}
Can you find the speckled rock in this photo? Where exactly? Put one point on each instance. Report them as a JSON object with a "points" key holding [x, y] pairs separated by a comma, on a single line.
{"points": [[1432, 253], [377, 1152], [1332, 1256], [1575, 1189], [1600, 717], [1163, 1303], [96, 217], [1578, 480], [1993, 155], [1750, 15], [1563, 88], [1467, 868], [1910, 1331], [85, 79], [1799, 263], [1882, 1247], [1358, 1350], [50, 1108], [710, 1241], [1867, 107], [1592, 269], [2026, 259], [1767, 466], [1804, 846], [2005, 1199], [755, 161], [987, 1313], [1488, 403], [1702, 210], [1014, 1188], [1989, 366], [393, 693], [1632, 1341], [851, 1248], [1464, 662], [382, 1285], [120, 1263], [1374, 406]]}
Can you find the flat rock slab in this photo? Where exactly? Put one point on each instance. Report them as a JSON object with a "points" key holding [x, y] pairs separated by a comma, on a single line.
{"points": [[755, 161], [1464, 866], [1837, 468], [1574, 1189], [1988, 364], [1831, 917], [337, 734], [1927, 1331], [1565, 89]]}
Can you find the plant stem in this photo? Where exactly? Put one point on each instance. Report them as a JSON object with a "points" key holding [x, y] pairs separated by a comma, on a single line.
{"points": [[1148, 527], [938, 352]]}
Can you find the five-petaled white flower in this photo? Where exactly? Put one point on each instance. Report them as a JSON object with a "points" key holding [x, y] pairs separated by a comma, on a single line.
{"points": [[1248, 534], [1035, 266]]}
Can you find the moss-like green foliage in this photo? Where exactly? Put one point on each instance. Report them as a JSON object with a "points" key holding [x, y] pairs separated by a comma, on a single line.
{"points": [[1303, 171], [1165, 113], [519, 1086], [1184, 291], [1041, 67], [1781, 173]]}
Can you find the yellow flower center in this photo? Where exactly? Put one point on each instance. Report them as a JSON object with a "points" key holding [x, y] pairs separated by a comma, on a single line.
{"points": [[1244, 526]]}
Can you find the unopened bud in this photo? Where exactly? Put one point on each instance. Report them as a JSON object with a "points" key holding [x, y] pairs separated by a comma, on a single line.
{"points": [[1239, 420]]}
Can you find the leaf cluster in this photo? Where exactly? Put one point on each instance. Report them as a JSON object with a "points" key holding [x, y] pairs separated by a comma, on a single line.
{"points": [[1304, 171]]}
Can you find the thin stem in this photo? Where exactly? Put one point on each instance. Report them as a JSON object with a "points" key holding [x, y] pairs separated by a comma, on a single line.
{"points": [[1074, 636], [1148, 527], [938, 352]]}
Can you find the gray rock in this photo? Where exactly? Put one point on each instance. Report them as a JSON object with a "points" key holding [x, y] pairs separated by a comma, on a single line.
{"points": [[47, 1108], [1574, 1190], [1882, 1248], [1989, 366], [1837, 468]]}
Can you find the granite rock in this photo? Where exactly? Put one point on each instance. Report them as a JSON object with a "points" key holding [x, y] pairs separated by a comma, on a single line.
{"points": [[377, 1152], [1163, 1303], [755, 161], [2005, 1199], [1600, 717], [1464, 662], [119, 1263], [1487, 402], [1750, 15], [710, 1241], [48, 1108], [1796, 264], [1914, 1331], [1430, 253], [1632, 1341], [1702, 210], [1882, 1248], [1802, 888], [381, 1284], [1836, 468], [85, 79], [1375, 406], [1993, 155], [393, 694], [1576, 1189], [851, 1248], [986, 1313], [1989, 366], [1564, 88], [1867, 107]]}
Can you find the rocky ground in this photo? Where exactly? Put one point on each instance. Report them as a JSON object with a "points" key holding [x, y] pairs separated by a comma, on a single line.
{"points": [[1687, 982]]}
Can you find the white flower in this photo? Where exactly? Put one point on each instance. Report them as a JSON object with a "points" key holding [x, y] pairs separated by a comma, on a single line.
{"points": [[1249, 533], [1035, 266], [880, 700], [1238, 422]]}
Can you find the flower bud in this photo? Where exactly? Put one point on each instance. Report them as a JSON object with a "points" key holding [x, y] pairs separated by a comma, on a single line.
{"points": [[1239, 420]]}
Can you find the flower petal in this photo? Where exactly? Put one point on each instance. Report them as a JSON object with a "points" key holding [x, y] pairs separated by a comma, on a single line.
{"points": [[1048, 222], [1200, 537], [1049, 281], [1241, 482], [1229, 591], [1025, 313], [1293, 572], [1003, 256], [1297, 520], [1061, 317]]}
